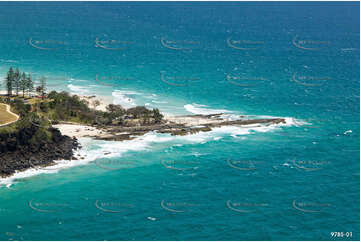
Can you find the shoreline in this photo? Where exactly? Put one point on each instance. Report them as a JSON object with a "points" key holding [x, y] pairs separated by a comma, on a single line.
{"points": [[174, 125], [80, 156], [179, 125], [25, 157]]}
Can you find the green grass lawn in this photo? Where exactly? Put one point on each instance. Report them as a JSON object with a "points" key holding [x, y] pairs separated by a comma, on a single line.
{"points": [[5, 117]]}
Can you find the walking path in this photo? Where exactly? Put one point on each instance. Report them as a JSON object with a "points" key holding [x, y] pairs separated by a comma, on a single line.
{"points": [[5, 116]]}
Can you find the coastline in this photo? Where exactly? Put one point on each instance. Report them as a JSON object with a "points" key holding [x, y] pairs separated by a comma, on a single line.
{"points": [[173, 125], [88, 135]]}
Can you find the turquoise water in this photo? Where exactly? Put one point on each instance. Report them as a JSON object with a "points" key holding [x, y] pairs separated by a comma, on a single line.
{"points": [[299, 60]]}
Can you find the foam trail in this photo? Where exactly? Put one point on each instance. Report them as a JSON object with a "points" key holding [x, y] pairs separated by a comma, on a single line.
{"points": [[94, 149], [201, 109], [124, 98], [80, 90]]}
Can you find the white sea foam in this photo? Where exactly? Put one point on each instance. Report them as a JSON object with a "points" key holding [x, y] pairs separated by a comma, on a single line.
{"points": [[80, 90], [123, 98], [61, 164], [348, 49], [93, 149], [202, 109], [155, 101], [8, 61]]}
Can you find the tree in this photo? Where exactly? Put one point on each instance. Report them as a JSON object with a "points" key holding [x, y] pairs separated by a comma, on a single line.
{"points": [[95, 104], [8, 84], [157, 115], [117, 109], [43, 86], [9, 81], [17, 78], [138, 111], [146, 118], [29, 84], [38, 90], [23, 82]]}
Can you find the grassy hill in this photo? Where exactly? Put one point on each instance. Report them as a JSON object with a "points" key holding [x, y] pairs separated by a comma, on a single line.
{"points": [[5, 116]]}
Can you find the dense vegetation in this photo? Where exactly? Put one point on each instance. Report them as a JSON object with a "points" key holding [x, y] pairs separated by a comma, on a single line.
{"points": [[33, 135], [64, 107], [54, 107]]}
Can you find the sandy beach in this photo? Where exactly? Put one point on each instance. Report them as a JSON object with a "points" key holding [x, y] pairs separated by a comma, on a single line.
{"points": [[103, 102], [79, 131]]}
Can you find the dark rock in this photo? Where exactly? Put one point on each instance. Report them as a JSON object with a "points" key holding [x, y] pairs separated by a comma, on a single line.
{"points": [[17, 153]]}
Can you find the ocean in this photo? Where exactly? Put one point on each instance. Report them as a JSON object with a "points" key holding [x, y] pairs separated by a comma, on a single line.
{"points": [[296, 60]]}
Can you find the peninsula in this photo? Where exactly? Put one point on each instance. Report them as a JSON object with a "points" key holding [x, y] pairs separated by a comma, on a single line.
{"points": [[38, 128]]}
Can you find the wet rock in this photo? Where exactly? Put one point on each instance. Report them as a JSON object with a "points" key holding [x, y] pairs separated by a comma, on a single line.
{"points": [[18, 153]]}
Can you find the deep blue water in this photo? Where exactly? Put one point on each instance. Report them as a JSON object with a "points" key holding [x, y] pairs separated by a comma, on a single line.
{"points": [[283, 59]]}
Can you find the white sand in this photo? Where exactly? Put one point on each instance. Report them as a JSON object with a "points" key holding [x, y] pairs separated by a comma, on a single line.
{"points": [[191, 121], [77, 130], [102, 100]]}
